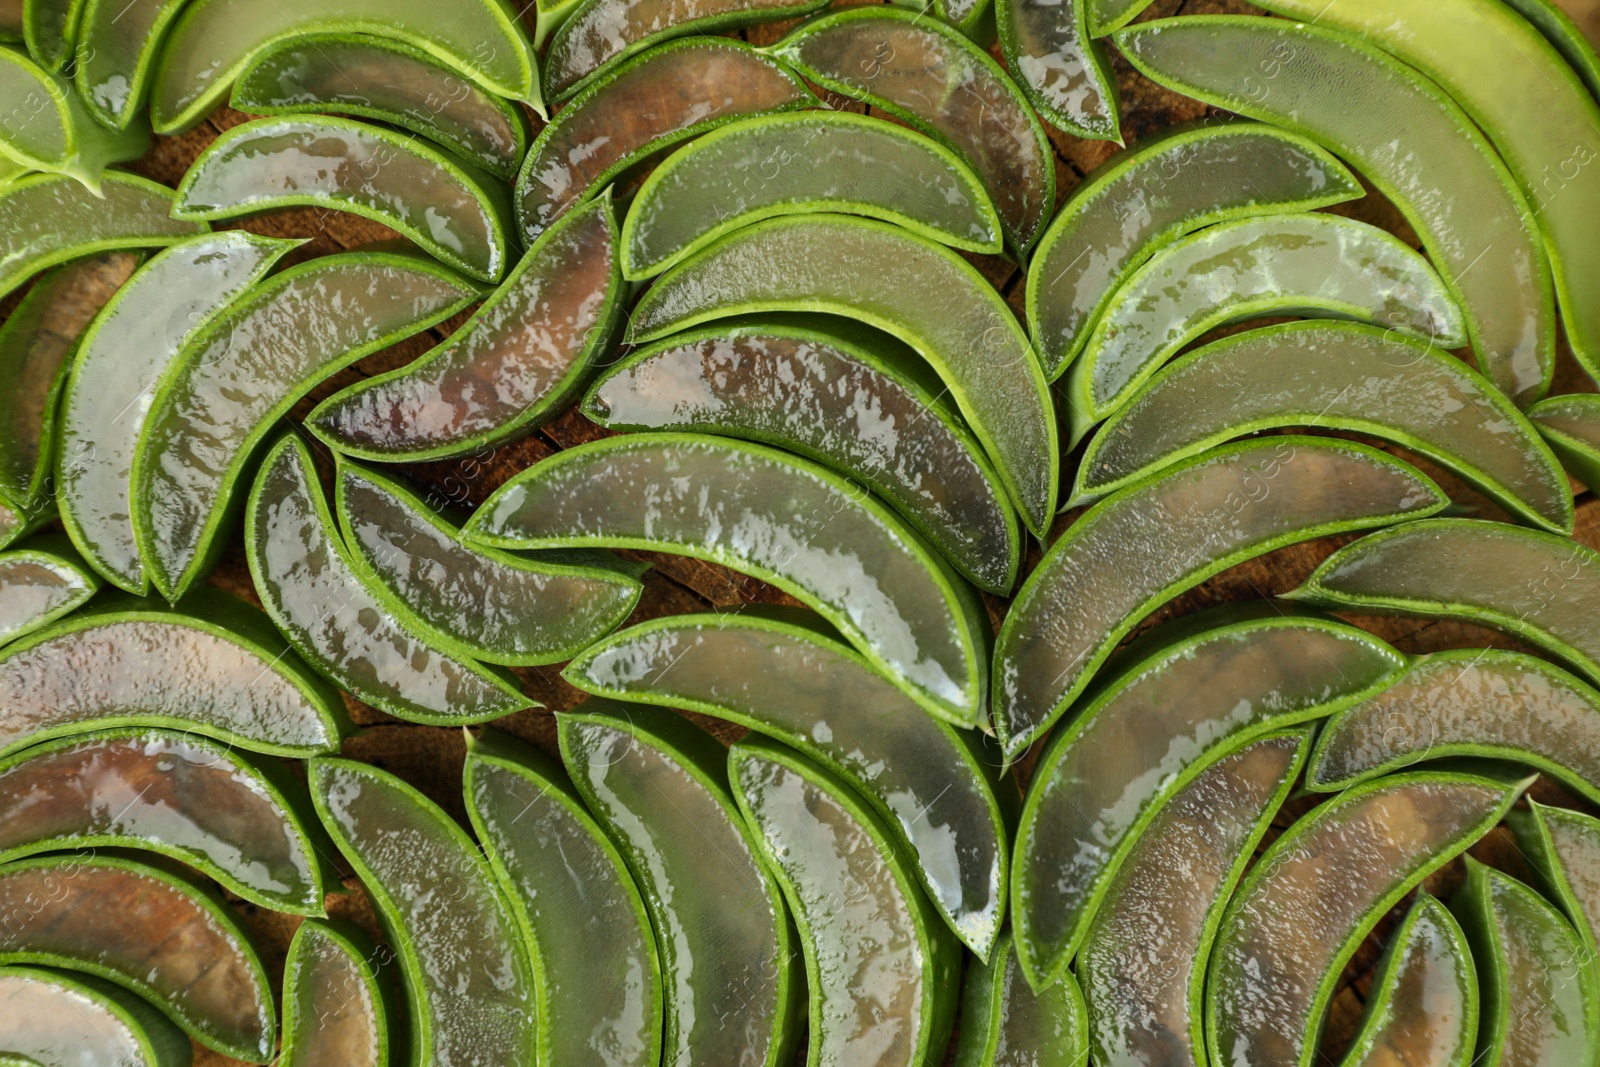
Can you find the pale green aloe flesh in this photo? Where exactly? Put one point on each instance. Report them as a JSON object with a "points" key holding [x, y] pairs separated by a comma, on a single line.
{"points": [[797, 163], [1343, 376], [1006, 1024], [730, 973], [667, 95], [1442, 174], [456, 213], [882, 275], [514, 364], [335, 999], [1308, 264], [596, 972], [856, 401], [46, 219], [39, 583], [56, 1019], [238, 819], [1142, 200], [1065, 73], [869, 935], [777, 674], [327, 607], [1184, 698], [1423, 1007], [45, 126], [149, 931], [1309, 901], [465, 970], [815, 535], [1468, 702], [113, 378], [390, 81], [932, 77], [1141, 546], [233, 380], [1540, 985], [1563, 847], [1536, 586], [1565, 35], [1571, 426], [1143, 960]]}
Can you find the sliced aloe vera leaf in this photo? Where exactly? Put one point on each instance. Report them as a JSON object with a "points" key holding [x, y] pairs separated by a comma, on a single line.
{"points": [[1143, 960], [48, 128], [1065, 73], [1541, 1004], [336, 1010], [597, 976], [932, 77], [777, 674], [1309, 264], [1343, 376], [1565, 35], [747, 170], [730, 975], [152, 932], [1571, 426], [1183, 698], [520, 357], [1533, 585], [459, 215], [868, 934], [57, 1019], [852, 400], [49, 29], [1004, 1023], [214, 41], [1467, 702], [1141, 546], [113, 378], [1108, 16], [390, 81], [114, 62], [667, 95], [39, 583], [327, 607], [474, 602], [881, 275], [1563, 847], [817, 536], [466, 974], [235, 378]]}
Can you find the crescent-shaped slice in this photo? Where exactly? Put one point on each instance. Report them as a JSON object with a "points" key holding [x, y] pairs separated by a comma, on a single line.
{"points": [[1004, 1023], [1571, 425], [39, 583], [336, 999], [55, 1019]]}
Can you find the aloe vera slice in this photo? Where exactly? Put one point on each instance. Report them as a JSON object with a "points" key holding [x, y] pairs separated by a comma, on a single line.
{"points": [[1185, 697], [234, 379], [459, 215], [115, 56], [47, 219], [729, 967], [1571, 426], [1534, 585], [55, 1019], [1311, 264], [48, 128], [1065, 74], [1108, 16], [1143, 200], [815, 535], [668, 94], [39, 583], [1141, 546], [49, 29], [1468, 702], [868, 934], [1541, 1005], [335, 1004], [597, 977], [881, 275], [1565, 35], [1343, 376], [237, 819], [473, 602], [151, 932], [114, 374], [1479, 232], [933, 78], [749, 170], [389, 81], [213, 41], [852, 400], [1563, 847], [1006, 1024], [776, 673], [321, 600], [520, 357], [467, 979], [1143, 960]]}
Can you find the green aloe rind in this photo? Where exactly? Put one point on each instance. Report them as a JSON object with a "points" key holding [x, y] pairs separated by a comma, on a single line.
{"points": [[46, 127], [40, 582], [1002, 1017], [76, 1017], [337, 1000], [1571, 426]]}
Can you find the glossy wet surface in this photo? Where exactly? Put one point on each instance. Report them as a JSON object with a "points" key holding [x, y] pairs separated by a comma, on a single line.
{"points": [[1426, 998], [333, 1018], [62, 1024]]}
